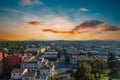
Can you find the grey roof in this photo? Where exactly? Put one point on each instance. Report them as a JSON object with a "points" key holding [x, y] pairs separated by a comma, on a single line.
{"points": [[29, 74], [17, 70]]}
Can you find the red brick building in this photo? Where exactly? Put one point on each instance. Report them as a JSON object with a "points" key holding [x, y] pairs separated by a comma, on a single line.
{"points": [[1, 63], [13, 61]]}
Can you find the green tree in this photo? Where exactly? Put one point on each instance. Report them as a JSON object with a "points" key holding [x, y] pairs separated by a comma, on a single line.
{"points": [[83, 71], [113, 65], [94, 66], [90, 53], [82, 53], [59, 55], [99, 66]]}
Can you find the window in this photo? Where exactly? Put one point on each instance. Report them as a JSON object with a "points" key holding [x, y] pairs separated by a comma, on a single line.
{"points": [[25, 64], [35, 67], [32, 67], [14, 74], [26, 78], [28, 67], [33, 70]]}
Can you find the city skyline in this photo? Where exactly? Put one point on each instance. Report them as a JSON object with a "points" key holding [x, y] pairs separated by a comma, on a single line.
{"points": [[59, 20]]}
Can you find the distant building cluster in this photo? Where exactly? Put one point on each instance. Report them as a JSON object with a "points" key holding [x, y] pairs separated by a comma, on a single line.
{"points": [[47, 59], [76, 51]]}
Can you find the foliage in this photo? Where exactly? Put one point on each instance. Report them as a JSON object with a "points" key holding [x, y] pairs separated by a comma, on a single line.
{"points": [[114, 65], [11, 47], [83, 71], [99, 66], [90, 53], [86, 69]]}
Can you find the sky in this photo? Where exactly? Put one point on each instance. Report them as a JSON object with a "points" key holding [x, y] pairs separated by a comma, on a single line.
{"points": [[59, 19]]}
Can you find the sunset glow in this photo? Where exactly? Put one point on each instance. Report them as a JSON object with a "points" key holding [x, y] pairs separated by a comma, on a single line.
{"points": [[59, 20]]}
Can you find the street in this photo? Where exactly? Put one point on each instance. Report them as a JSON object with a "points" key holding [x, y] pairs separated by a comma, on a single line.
{"points": [[62, 68]]}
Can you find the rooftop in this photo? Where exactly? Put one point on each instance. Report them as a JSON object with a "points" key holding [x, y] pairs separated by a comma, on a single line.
{"points": [[29, 74], [17, 70]]}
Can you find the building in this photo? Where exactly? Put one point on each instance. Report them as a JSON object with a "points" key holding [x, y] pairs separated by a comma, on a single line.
{"points": [[51, 55], [22, 74], [35, 51], [17, 74], [31, 66], [29, 76], [41, 66], [13, 61], [1, 63]]}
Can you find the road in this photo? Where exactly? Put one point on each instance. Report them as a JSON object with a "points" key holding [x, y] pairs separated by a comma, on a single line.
{"points": [[62, 67]]}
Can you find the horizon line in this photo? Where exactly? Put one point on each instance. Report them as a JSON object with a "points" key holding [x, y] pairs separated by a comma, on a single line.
{"points": [[64, 40]]}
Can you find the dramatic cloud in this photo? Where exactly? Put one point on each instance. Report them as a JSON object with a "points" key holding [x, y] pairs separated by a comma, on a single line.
{"points": [[88, 25], [54, 23], [29, 2], [84, 9], [34, 23], [58, 22], [55, 31], [94, 26], [108, 28]]}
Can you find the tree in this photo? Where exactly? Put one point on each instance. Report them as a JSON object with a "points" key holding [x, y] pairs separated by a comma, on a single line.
{"points": [[99, 66], [82, 53], [90, 53], [59, 55], [94, 66], [113, 65], [83, 71], [50, 78]]}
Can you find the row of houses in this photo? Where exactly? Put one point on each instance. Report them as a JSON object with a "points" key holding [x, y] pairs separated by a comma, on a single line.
{"points": [[41, 70], [40, 67], [9, 62], [22, 74], [75, 55]]}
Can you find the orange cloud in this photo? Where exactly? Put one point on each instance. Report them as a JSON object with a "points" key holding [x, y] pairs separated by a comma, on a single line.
{"points": [[88, 25], [112, 29], [92, 26], [34, 23], [95, 26], [55, 31], [63, 32], [47, 31], [107, 28]]}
